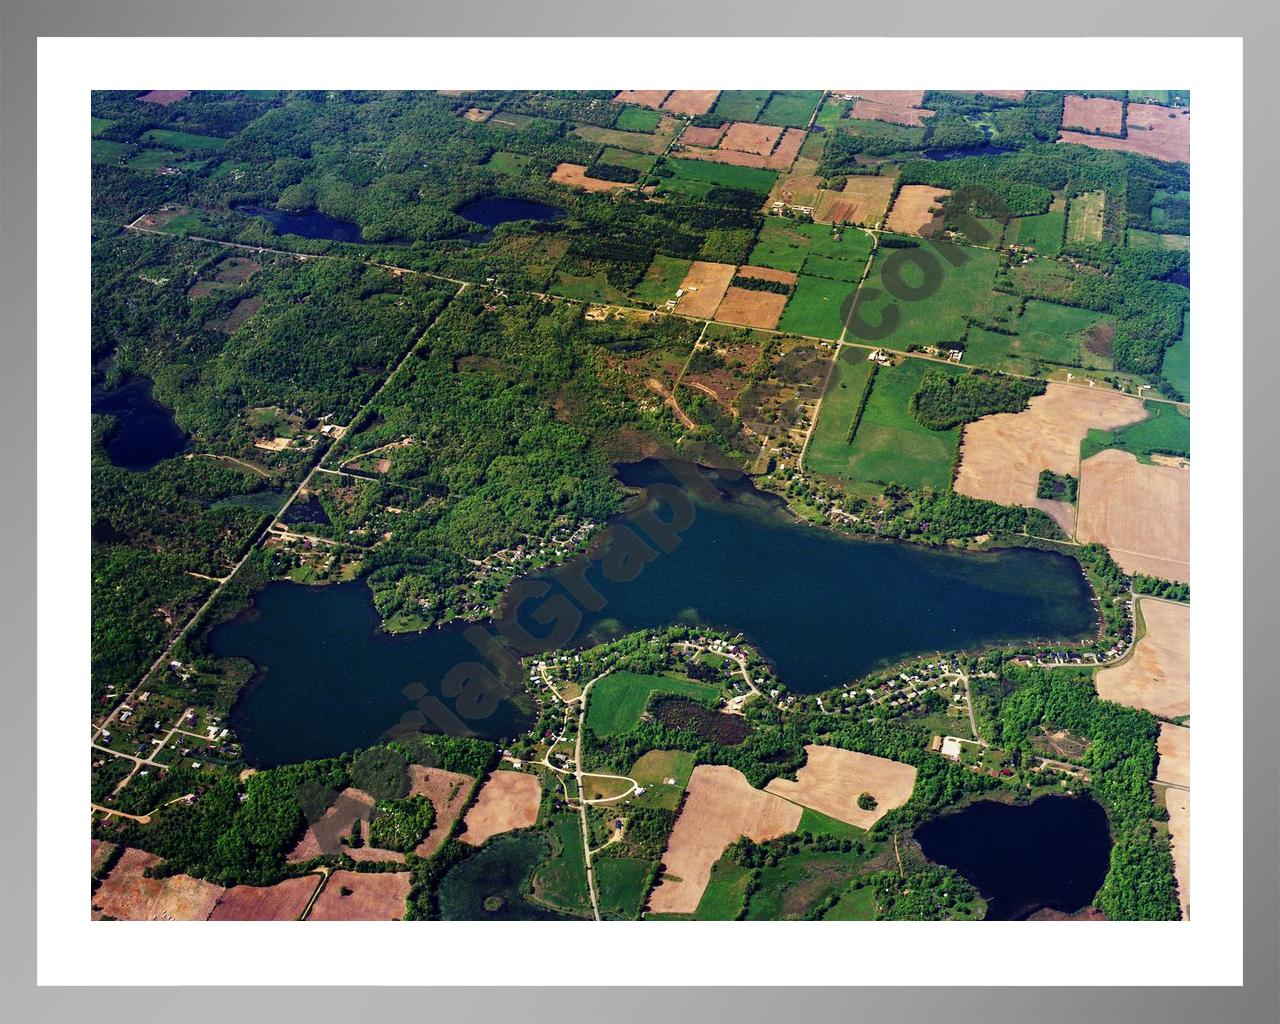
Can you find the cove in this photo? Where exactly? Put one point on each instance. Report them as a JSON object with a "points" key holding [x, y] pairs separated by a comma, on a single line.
{"points": [[308, 224], [824, 608], [1051, 853], [144, 432]]}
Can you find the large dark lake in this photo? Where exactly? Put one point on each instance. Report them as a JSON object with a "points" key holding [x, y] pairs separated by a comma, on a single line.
{"points": [[491, 211], [1051, 853], [309, 224], [144, 432], [822, 607]]}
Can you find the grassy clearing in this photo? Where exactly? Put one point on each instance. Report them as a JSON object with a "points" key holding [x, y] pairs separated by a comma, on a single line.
{"points": [[695, 178], [637, 119], [1176, 368], [858, 903], [651, 771], [641, 162], [934, 318], [740, 104], [1085, 218], [617, 701], [1042, 232], [832, 113], [790, 889], [829, 450], [909, 137], [595, 288], [890, 446], [661, 279], [636, 142], [562, 880], [98, 125], [151, 159], [1052, 332], [784, 243], [790, 109], [621, 884], [185, 141], [1138, 239], [821, 825], [816, 307], [725, 893], [509, 163], [1167, 428], [103, 151]]}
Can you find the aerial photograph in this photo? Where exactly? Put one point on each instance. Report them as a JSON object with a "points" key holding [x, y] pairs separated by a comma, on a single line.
{"points": [[640, 505]]}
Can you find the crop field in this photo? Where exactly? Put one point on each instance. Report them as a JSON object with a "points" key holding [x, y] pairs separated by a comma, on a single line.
{"points": [[661, 280], [1166, 430], [1157, 675], [653, 769], [863, 200], [916, 210], [164, 97], [831, 780], [1094, 114], [741, 105], [890, 446], [507, 801], [935, 318], [829, 451], [621, 886], [1002, 455], [362, 896], [284, 901], [707, 138], [816, 308], [1178, 803], [691, 101], [351, 805], [617, 701], [720, 807], [575, 176], [651, 98], [1142, 513], [448, 793], [783, 243], [1160, 132], [1174, 747], [751, 138], [641, 162], [128, 895], [895, 106], [704, 286], [695, 178], [637, 119], [749, 308], [562, 881], [1086, 216], [636, 142], [790, 109]]}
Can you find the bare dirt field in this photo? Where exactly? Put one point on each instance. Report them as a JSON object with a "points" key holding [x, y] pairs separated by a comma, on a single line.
{"points": [[374, 896], [1174, 746], [863, 200], [767, 274], [896, 106], [643, 97], [788, 148], [751, 308], [704, 286], [128, 896], [575, 175], [509, 800], [1002, 455], [1160, 132], [1142, 513], [691, 101], [164, 97], [708, 138], [478, 114], [284, 901], [1095, 114], [831, 780], [751, 138], [1157, 676], [448, 793], [1179, 803], [720, 807], [1017, 95], [99, 852], [228, 274], [324, 836], [781, 159], [913, 211]]}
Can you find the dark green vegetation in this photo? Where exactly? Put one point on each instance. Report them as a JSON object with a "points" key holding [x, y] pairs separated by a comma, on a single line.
{"points": [[618, 700], [1056, 486], [944, 400], [401, 824], [1157, 587], [493, 884]]}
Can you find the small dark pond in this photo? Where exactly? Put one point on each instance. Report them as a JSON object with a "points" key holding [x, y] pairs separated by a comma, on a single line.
{"points": [[986, 149], [1051, 853], [144, 432], [308, 224], [491, 211], [309, 511]]}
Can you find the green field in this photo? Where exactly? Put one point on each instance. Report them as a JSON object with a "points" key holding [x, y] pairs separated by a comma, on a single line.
{"points": [[637, 119], [562, 880], [1139, 239], [1043, 232], [185, 141], [1049, 331], [102, 151], [790, 109], [617, 701], [740, 104], [509, 163], [890, 446], [662, 279], [1167, 428], [1176, 368], [641, 162], [815, 308], [842, 260], [856, 904], [783, 243], [790, 889], [1086, 216], [98, 125], [821, 825], [595, 288], [829, 451], [621, 884], [150, 159], [695, 178], [832, 113], [934, 318], [725, 893], [907, 136], [653, 768]]}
